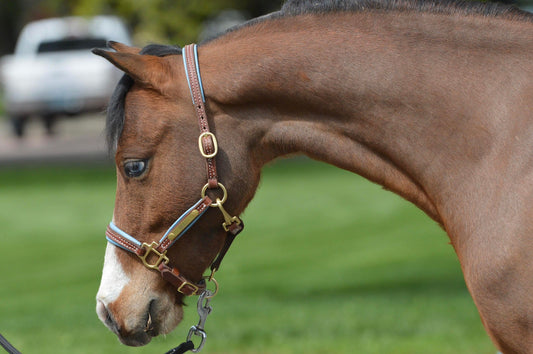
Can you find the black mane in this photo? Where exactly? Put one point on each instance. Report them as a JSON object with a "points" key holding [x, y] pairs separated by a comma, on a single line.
{"points": [[461, 7], [115, 112], [464, 7]]}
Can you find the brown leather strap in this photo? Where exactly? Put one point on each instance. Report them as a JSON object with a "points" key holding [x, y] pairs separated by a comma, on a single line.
{"points": [[122, 241], [207, 142], [232, 232], [184, 286], [170, 274]]}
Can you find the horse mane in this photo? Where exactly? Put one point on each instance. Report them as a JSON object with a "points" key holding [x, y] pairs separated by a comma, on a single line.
{"points": [[461, 7], [450, 7], [115, 111]]}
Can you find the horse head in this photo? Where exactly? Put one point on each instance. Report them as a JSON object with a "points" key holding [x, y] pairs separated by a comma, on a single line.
{"points": [[161, 172]]}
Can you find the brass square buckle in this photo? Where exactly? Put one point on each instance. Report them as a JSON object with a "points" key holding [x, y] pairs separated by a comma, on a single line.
{"points": [[185, 284], [152, 248]]}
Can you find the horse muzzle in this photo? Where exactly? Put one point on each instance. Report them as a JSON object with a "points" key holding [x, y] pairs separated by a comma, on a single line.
{"points": [[138, 328], [135, 308]]}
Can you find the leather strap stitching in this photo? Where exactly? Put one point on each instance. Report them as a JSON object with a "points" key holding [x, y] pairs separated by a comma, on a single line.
{"points": [[130, 246], [207, 141]]}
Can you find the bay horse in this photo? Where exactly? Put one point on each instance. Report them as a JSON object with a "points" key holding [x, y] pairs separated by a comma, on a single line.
{"points": [[432, 100]]}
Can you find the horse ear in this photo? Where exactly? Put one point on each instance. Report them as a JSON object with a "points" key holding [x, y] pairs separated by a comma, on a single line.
{"points": [[122, 48], [146, 69]]}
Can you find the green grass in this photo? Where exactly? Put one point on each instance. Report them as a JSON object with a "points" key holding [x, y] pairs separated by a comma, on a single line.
{"points": [[328, 263]]}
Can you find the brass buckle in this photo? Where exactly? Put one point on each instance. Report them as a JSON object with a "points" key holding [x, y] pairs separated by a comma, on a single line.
{"points": [[201, 146], [162, 258], [186, 283]]}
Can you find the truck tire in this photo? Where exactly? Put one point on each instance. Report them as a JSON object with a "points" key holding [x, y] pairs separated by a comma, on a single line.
{"points": [[18, 123], [49, 121]]}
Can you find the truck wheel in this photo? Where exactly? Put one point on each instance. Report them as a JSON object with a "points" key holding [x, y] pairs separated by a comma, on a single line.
{"points": [[18, 124], [49, 121]]}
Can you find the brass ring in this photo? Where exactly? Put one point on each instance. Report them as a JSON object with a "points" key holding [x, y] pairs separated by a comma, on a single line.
{"points": [[224, 191], [213, 280]]}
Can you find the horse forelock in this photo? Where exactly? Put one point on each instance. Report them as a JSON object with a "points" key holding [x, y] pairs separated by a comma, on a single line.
{"points": [[115, 109]]}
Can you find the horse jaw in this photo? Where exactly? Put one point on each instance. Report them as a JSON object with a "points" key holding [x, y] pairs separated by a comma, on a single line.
{"points": [[130, 307]]}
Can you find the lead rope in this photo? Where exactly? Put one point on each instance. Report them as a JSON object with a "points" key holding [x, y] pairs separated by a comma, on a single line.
{"points": [[182, 348], [7, 346]]}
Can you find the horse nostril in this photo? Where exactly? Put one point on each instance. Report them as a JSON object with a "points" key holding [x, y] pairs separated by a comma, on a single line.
{"points": [[150, 326], [106, 317]]}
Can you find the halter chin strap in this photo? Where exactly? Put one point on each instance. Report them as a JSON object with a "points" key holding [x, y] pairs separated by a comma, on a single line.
{"points": [[154, 255]]}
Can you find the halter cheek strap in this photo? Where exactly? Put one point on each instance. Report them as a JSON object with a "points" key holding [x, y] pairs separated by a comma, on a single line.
{"points": [[206, 141], [154, 255]]}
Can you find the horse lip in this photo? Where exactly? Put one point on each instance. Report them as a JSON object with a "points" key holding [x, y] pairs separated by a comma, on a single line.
{"points": [[136, 340]]}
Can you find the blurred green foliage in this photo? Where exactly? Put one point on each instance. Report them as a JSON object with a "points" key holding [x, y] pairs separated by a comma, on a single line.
{"points": [[161, 21], [150, 21], [157, 20]]}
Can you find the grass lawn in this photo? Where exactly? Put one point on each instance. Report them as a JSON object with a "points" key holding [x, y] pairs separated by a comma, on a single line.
{"points": [[328, 263]]}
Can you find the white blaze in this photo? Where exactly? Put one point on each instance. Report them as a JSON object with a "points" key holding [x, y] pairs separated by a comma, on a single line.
{"points": [[113, 277]]}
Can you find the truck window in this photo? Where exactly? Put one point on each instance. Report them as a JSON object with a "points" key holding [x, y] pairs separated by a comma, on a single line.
{"points": [[71, 44]]}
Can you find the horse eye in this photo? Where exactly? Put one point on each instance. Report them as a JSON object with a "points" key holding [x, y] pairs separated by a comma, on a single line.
{"points": [[135, 168]]}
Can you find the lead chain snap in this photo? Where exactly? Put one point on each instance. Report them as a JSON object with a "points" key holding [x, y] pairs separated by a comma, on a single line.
{"points": [[200, 333]]}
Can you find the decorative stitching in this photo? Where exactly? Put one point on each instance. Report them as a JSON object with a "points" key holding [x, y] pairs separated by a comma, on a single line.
{"points": [[122, 241], [208, 145]]}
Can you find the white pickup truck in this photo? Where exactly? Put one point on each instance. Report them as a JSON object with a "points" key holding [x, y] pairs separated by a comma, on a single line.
{"points": [[53, 71]]}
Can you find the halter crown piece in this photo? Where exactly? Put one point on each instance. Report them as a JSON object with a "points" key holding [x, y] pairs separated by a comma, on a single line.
{"points": [[154, 255]]}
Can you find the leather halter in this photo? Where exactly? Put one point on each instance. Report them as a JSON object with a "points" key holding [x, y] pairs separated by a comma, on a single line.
{"points": [[154, 255]]}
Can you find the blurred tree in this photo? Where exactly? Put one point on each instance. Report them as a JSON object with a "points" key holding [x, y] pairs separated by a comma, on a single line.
{"points": [[9, 15], [151, 21], [162, 21]]}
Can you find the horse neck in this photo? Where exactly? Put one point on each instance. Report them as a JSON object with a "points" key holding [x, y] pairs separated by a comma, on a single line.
{"points": [[383, 96]]}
